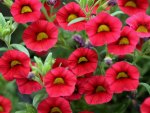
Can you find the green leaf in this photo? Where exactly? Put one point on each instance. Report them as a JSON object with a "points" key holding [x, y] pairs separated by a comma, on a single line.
{"points": [[3, 49], [39, 63], [147, 86], [38, 98], [83, 3], [30, 108], [76, 20], [23, 111], [20, 48], [2, 20], [90, 2], [117, 13]]}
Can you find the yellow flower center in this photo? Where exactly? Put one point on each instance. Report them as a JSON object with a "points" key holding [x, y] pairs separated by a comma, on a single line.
{"points": [[71, 17], [131, 4], [124, 41], [103, 28], [14, 63], [55, 110], [59, 80], [41, 36], [100, 89], [122, 75], [82, 60], [1, 109], [26, 9], [142, 29]]}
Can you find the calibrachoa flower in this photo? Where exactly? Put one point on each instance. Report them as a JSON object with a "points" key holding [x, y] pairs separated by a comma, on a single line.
{"points": [[131, 7], [25, 11], [103, 29], [68, 13], [26, 83], [60, 62], [83, 61], [145, 106], [125, 44], [140, 23], [13, 62], [40, 36], [5, 105], [122, 76], [54, 105], [97, 90], [60, 82]]}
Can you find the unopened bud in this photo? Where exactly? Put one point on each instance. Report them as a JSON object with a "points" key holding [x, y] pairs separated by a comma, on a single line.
{"points": [[108, 60], [51, 2]]}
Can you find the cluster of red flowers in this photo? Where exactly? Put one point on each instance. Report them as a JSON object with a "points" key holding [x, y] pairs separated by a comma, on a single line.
{"points": [[71, 78]]}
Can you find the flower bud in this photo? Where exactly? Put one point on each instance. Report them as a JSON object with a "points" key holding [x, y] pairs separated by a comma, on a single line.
{"points": [[51, 2], [108, 60]]}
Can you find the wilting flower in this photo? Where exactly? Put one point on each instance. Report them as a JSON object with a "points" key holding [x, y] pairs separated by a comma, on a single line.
{"points": [[131, 7], [122, 76], [83, 61], [68, 13], [60, 82], [13, 62], [103, 29], [54, 105], [145, 106], [5, 105], [40, 36], [140, 23], [126, 43], [97, 90], [25, 11]]}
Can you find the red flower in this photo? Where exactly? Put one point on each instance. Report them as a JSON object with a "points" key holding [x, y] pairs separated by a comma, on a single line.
{"points": [[26, 10], [103, 29], [54, 105], [145, 106], [131, 7], [68, 13], [76, 94], [40, 36], [97, 90], [125, 44], [60, 62], [5, 105], [123, 76], [140, 23], [60, 82], [13, 62], [83, 61], [26, 83], [86, 112]]}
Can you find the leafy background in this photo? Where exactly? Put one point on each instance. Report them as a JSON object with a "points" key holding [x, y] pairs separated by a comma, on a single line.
{"points": [[127, 102]]}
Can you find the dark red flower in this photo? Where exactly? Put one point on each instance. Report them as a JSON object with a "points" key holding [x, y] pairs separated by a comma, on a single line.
{"points": [[68, 13], [140, 22], [83, 61], [5, 105], [131, 7], [97, 90], [60, 82], [26, 83], [103, 29], [60, 62], [25, 11], [13, 62], [145, 106], [54, 105], [125, 44], [122, 76], [40, 36]]}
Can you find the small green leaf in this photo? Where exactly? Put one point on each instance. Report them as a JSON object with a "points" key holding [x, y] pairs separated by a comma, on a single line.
{"points": [[2, 20], [147, 86], [76, 20], [90, 2], [20, 48], [23, 111], [39, 63], [3, 49], [83, 3], [117, 13]]}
